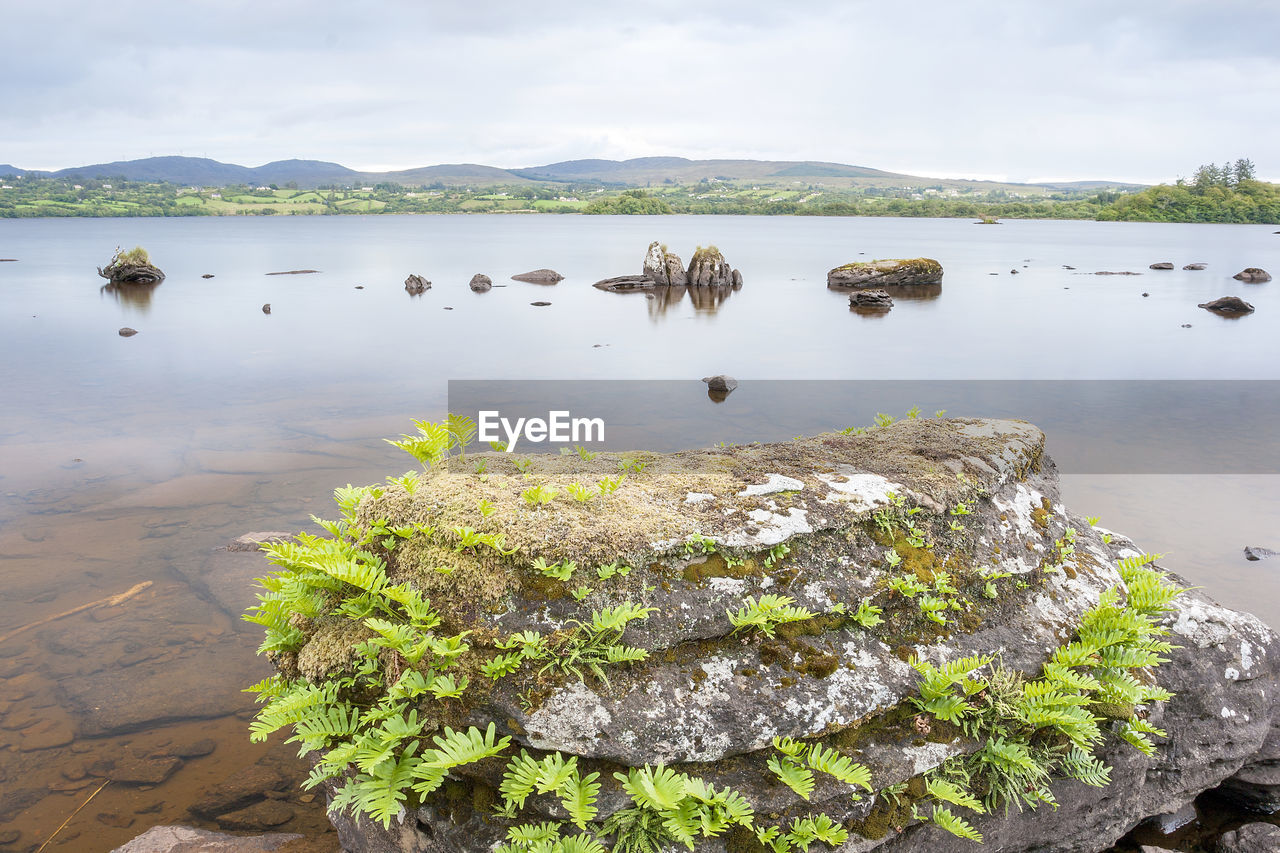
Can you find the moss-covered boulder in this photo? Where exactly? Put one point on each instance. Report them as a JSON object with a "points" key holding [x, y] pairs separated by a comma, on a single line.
{"points": [[884, 273], [840, 635], [708, 268], [131, 267]]}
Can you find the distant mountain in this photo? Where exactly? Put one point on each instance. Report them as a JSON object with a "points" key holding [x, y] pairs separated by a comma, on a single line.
{"points": [[640, 171], [684, 171]]}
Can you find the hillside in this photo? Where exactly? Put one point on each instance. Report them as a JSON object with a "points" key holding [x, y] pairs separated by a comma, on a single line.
{"points": [[641, 171]]}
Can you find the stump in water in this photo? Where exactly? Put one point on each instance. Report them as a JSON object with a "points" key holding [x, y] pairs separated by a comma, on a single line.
{"points": [[131, 267]]}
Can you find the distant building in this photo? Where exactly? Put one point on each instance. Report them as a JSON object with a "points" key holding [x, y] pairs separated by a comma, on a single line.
{"points": [[216, 195], [106, 186]]}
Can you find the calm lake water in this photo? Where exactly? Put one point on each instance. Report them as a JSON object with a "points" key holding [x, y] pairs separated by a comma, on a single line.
{"points": [[132, 460]]}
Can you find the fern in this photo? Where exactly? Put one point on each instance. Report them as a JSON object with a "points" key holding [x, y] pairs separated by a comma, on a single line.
{"points": [[941, 789], [825, 760], [797, 778], [767, 614], [806, 830], [943, 817]]}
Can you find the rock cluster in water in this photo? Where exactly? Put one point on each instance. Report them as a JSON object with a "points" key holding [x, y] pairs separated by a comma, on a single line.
{"points": [[958, 518], [661, 268], [415, 285]]}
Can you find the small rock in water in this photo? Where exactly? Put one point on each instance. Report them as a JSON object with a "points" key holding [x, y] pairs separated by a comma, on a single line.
{"points": [[448, 307], [542, 276], [416, 285], [1228, 305], [294, 272], [254, 541], [480, 283], [1255, 553], [126, 332], [720, 382], [540, 304], [1114, 272], [1186, 325], [1145, 293], [196, 749], [207, 275], [1065, 267], [359, 287], [1013, 272], [266, 309], [878, 300], [1161, 265], [1253, 275], [1195, 266]]}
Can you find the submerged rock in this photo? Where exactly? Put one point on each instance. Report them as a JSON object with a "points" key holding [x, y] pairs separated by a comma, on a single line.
{"points": [[1255, 553], [186, 839], [886, 272], [1253, 275], [956, 518], [1116, 272], [480, 283], [1162, 265], [126, 332], [415, 285], [542, 276], [1195, 266], [1228, 305]]}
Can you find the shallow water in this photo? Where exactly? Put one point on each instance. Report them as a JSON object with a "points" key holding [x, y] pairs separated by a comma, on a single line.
{"points": [[125, 460]]}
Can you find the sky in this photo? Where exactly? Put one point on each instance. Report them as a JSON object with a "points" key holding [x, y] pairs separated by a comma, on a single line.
{"points": [[1132, 91]]}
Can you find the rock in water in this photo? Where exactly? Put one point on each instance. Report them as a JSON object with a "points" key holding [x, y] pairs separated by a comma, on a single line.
{"points": [[720, 382], [127, 332], [708, 267], [663, 268], [886, 272], [415, 285], [1195, 266], [1162, 265], [480, 283], [186, 839], [266, 309], [723, 664], [625, 283], [1254, 553], [876, 300], [131, 267], [1253, 275], [1228, 305], [543, 276], [207, 275]]}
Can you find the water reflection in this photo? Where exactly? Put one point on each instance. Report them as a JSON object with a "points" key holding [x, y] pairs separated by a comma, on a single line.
{"points": [[136, 296], [705, 300], [922, 292]]}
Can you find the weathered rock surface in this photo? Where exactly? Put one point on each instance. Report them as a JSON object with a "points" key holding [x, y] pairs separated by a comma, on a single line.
{"points": [[480, 283], [186, 839], [711, 698], [1255, 552], [132, 274], [874, 300], [1228, 305], [883, 273], [542, 276], [126, 332], [1253, 275], [254, 541], [1162, 265], [416, 284], [663, 268], [708, 267], [238, 791], [1117, 272], [1195, 266]]}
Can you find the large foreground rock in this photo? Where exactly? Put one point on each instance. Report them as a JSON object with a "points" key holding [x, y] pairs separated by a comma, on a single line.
{"points": [[708, 268], [1227, 305], [813, 519], [885, 273]]}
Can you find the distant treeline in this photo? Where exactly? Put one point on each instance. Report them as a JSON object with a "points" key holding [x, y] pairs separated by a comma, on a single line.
{"points": [[1229, 193]]}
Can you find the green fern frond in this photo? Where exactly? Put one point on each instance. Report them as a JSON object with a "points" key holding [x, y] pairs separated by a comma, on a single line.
{"points": [[795, 777], [957, 826], [941, 789]]}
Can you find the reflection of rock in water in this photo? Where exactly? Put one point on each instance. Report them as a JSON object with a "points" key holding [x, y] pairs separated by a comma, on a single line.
{"points": [[705, 300], [134, 295], [903, 291]]}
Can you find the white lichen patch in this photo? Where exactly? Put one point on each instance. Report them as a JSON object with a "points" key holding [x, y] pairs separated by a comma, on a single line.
{"points": [[1017, 509], [1231, 674], [928, 756], [861, 489], [698, 497], [771, 528], [570, 720], [773, 484], [732, 586]]}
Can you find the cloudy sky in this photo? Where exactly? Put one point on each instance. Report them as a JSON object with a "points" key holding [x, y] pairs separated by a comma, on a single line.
{"points": [[1141, 91]]}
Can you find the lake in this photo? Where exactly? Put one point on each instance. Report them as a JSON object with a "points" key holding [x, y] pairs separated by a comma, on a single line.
{"points": [[135, 460]]}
